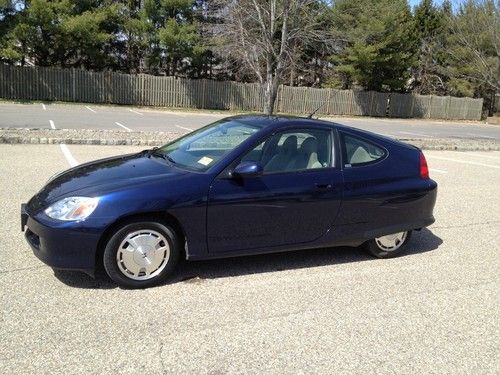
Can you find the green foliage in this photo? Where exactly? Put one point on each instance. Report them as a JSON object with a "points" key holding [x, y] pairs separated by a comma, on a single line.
{"points": [[375, 45], [474, 46], [430, 70], [135, 36], [379, 43]]}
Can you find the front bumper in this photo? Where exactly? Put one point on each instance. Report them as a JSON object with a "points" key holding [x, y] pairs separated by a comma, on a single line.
{"points": [[60, 247]]}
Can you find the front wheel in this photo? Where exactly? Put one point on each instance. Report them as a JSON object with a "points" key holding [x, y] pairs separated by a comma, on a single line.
{"points": [[388, 246], [141, 254]]}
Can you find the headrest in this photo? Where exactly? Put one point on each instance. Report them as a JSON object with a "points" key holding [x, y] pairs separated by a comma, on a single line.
{"points": [[309, 145], [290, 144]]}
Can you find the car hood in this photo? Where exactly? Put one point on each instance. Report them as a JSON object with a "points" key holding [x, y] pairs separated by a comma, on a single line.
{"points": [[100, 176]]}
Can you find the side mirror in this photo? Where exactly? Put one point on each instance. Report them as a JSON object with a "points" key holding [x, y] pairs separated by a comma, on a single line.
{"points": [[247, 169]]}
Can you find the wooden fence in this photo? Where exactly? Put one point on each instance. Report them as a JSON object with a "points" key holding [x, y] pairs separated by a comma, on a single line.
{"points": [[73, 85]]}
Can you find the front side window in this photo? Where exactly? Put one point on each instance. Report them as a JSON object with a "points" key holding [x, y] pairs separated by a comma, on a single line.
{"points": [[358, 152], [203, 148], [293, 150]]}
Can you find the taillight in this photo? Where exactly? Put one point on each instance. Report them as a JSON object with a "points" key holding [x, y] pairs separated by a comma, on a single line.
{"points": [[424, 169]]}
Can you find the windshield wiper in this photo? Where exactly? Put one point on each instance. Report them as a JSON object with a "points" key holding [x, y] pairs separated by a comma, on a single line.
{"points": [[166, 156], [150, 151], [154, 152]]}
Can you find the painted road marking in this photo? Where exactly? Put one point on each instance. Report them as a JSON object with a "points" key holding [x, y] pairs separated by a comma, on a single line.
{"points": [[43, 106], [463, 161], [480, 136], [483, 156], [437, 170], [69, 158], [179, 113], [123, 126], [417, 134], [183, 128], [90, 109], [137, 113], [67, 154]]}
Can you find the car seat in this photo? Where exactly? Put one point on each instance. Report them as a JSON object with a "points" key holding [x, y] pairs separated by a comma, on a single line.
{"points": [[286, 154], [307, 157]]}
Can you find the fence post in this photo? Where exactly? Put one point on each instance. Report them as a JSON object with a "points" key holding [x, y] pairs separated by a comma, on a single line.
{"points": [[328, 101], [141, 85], [280, 98], [38, 95], [370, 113], [412, 104], [448, 104], [107, 82], [204, 93], [73, 83]]}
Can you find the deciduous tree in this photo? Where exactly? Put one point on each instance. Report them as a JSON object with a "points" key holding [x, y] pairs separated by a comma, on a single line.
{"points": [[260, 35]]}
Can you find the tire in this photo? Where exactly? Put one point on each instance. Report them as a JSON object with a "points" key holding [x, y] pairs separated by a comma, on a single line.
{"points": [[141, 254], [376, 246]]}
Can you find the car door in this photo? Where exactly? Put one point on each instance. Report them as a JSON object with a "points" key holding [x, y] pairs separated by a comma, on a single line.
{"points": [[294, 201]]}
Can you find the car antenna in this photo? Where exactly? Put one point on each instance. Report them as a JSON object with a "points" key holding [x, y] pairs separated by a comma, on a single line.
{"points": [[316, 110]]}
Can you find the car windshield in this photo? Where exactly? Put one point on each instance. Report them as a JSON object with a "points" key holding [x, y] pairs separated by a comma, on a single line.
{"points": [[203, 148]]}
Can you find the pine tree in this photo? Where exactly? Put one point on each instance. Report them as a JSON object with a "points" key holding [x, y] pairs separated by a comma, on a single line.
{"points": [[379, 43], [429, 72]]}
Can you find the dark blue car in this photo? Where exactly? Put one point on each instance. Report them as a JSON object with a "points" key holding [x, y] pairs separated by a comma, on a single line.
{"points": [[242, 185]]}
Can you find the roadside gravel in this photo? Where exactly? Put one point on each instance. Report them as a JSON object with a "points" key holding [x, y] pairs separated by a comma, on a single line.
{"points": [[157, 138]]}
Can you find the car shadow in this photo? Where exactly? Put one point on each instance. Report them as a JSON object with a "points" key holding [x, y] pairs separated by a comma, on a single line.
{"points": [[193, 272], [421, 242]]}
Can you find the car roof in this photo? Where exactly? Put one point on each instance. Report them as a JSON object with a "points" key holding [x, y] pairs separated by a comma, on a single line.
{"points": [[278, 121]]}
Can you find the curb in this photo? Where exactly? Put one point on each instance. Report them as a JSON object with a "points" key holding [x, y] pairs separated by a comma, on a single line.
{"points": [[84, 137], [114, 138]]}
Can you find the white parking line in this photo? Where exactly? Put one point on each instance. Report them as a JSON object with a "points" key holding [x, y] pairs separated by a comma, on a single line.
{"points": [[69, 158], [183, 128], [463, 161], [480, 136], [483, 156], [90, 109], [137, 113], [123, 126], [437, 170], [417, 134], [43, 106], [67, 154]]}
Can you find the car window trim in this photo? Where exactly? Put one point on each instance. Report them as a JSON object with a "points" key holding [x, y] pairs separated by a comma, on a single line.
{"points": [[344, 150], [334, 157], [208, 170]]}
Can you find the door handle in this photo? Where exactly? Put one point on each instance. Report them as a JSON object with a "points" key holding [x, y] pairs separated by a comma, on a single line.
{"points": [[323, 186]]}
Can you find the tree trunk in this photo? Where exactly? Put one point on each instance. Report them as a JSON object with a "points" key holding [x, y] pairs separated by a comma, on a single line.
{"points": [[268, 98], [271, 87]]}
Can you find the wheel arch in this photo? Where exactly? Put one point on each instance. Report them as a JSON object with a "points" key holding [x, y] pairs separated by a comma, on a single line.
{"points": [[160, 216]]}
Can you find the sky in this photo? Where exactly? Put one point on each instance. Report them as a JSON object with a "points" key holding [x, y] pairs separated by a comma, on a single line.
{"points": [[436, 2]]}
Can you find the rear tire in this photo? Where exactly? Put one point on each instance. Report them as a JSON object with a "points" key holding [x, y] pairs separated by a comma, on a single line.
{"points": [[388, 246], [141, 254]]}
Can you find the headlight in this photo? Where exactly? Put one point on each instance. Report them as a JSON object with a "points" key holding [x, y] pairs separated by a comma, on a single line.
{"points": [[72, 208]]}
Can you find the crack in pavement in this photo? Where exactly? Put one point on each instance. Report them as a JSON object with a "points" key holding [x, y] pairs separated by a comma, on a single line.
{"points": [[22, 269], [272, 316], [160, 356]]}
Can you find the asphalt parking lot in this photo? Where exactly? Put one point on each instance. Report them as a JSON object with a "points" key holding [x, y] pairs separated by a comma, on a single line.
{"points": [[127, 118], [434, 310]]}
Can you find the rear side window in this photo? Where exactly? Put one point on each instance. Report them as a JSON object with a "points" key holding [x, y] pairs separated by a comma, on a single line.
{"points": [[359, 152]]}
